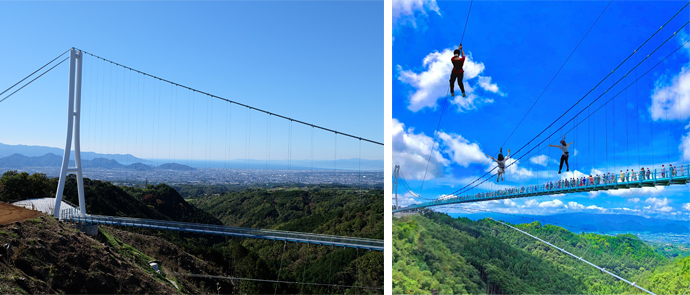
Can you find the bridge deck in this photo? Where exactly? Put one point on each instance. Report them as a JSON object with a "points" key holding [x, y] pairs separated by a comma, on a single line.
{"points": [[540, 190], [328, 240]]}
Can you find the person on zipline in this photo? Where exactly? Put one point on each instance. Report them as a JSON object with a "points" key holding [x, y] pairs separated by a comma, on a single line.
{"points": [[457, 72], [564, 157], [501, 161]]}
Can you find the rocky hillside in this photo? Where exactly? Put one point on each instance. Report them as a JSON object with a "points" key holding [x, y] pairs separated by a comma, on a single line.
{"points": [[48, 256]]}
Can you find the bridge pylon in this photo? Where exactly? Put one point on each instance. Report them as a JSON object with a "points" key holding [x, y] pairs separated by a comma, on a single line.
{"points": [[76, 58]]}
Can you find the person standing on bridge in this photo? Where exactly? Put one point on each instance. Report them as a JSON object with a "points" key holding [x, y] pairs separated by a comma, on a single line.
{"points": [[564, 157], [457, 73], [501, 161]]}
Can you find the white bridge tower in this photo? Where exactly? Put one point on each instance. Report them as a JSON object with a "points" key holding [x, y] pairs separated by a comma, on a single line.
{"points": [[73, 118]]}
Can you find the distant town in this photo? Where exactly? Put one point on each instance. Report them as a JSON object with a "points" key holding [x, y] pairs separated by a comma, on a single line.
{"points": [[211, 176]]}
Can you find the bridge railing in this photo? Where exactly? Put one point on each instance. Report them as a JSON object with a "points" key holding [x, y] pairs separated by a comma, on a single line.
{"points": [[69, 214], [677, 175]]}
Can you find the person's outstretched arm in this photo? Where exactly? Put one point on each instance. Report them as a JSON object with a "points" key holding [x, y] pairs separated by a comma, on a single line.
{"points": [[551, 145], [508, 155], [491, 157]]}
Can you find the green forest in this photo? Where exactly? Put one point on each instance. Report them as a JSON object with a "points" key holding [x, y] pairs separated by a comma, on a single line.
{"points": [[334, 210], [433, 251]]}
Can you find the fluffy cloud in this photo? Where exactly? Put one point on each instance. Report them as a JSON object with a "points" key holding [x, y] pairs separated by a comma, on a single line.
{"points": [[405, 11], [531, 203], [594, 207], [431, 84], [658, 205], [671, 97], [462, 151], [634, 200], [485, 83], [542, 160], [686, 206], [555, 203], [575, 206], [411, 151], [685, 145]]}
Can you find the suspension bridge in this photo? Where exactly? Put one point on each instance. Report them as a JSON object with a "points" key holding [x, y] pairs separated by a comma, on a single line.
{"points": [[621, 81], [133, 96]]}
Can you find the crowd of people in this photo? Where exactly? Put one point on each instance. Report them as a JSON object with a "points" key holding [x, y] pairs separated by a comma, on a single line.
{"points": [[584, 181]]}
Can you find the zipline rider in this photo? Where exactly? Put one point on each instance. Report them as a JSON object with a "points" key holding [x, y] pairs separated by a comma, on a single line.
{"points": [[457, 72]]}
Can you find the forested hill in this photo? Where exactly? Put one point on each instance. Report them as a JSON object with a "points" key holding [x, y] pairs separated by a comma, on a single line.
{"points": [[435, 251], [335, 211]]}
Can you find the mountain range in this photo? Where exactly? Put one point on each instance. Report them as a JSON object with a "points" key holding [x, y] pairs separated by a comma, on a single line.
{"points": [[18, 161]]}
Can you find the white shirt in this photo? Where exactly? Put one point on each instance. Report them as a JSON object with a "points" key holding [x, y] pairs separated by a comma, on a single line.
{"points": [[564, 148], [502, 164]]}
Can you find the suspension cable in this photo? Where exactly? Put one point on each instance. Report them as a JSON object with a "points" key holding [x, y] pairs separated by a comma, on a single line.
{"points": [[27, 84], [36, 71], [234, 102]]}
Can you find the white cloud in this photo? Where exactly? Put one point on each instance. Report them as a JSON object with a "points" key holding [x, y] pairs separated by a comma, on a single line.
{"points": [[407, 199], [509, 202], [575, 152], [634, 200], [542, 160], [685, 146], [411, 151], [404, 11], [686, 206], [671, 97], [462, 151], [575, 206], [432, 84], [556, 203], [485, 83], [531, 203], [594, 207], [658, 205]]}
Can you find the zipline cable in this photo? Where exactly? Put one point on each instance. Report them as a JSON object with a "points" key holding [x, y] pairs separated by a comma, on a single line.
{"points": [[466, 20], [433, 145], [606, 77], [578, 258], [599, 108], [614, 84], [557, 72], [269, 281]]}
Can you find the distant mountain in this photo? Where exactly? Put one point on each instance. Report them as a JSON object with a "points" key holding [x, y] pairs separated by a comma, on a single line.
{"points": [[17, 161], [175, 166], [577, 222], [36, 151]]}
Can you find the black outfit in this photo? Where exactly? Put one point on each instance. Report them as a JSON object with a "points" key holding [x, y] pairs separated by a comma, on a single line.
{"points": [[564, 158], [457, 73]]}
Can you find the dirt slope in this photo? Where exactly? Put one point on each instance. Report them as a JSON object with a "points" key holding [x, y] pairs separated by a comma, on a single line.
{"points": [[11, 213]]}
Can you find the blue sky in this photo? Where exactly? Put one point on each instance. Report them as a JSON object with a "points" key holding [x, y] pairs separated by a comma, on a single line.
{"points": [[514, 48], [318, 62]]}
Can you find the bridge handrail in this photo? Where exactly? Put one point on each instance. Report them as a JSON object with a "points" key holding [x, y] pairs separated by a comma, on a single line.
{"points": [[611, 181], [67, 214]]}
